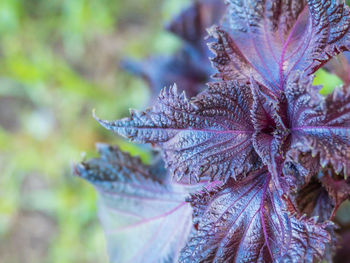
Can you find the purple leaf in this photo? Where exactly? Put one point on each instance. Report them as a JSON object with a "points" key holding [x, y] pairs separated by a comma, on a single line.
{"points": [[140, 209], [320, 125], [343, 252], [338, 189], [269, 144], [270, 39], [211, 135], [270, 139], [305, 164], [322, 196], [313, 200], [249, 221], [299, 170], [186, 67]]}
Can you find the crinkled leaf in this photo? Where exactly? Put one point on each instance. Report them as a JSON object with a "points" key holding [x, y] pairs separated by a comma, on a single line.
{"points": [[305, 164], [270, 39], [140, 210], [298, 170], [211, 135], [248, 221], [262, 111], [308, 192], [320, 125], [271, 134]]}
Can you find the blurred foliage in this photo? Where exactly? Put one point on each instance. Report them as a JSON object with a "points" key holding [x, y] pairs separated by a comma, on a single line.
{"points": [[327, 80], [58, 61]]}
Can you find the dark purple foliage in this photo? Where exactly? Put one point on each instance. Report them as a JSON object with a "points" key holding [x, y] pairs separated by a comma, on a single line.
{"points": [[343, 252], [272, 154], [247, 221], [211, 135]]}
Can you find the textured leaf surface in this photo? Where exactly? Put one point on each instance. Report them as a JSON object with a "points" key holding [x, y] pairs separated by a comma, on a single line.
{"points": [[248, 221], [321, 196], [319, 124], [270, 39], [145, 217], [212, 135], [299, 170], [271, 133], [261, 133], [305, 164]]}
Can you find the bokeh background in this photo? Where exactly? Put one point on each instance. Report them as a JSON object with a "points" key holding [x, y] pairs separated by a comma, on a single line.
{"points": [[59, 59]]}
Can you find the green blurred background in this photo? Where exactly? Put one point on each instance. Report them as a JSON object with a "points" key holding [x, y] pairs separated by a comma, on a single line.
{"points": [[58, 61]]}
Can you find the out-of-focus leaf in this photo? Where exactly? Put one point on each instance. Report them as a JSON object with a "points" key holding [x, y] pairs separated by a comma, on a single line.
{"points": [[189, 68], [337, 189], [314, 200], [191, 24], [328, 81], [144, 215], [340, 67]]}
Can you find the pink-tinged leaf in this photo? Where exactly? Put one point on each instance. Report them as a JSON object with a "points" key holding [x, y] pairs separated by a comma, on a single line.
{"points": [[320, 125], [270, 39], [144, 215], [249, 221], [208, 136]]}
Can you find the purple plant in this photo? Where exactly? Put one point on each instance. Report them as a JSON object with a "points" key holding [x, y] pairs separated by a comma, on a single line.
{"points": [[256, 164]]}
